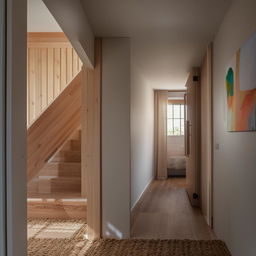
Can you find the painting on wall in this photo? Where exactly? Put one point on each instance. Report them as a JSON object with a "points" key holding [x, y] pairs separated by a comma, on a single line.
{"points": [[241, 88]]}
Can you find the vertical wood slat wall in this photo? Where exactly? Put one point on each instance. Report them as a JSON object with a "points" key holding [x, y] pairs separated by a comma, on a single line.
{"points": [[52, 64]]}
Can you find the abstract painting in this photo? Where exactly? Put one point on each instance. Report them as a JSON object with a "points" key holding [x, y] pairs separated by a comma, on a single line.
{"points": [[241, 88]]}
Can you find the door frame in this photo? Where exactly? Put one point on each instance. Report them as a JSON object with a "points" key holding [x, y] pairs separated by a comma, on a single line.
{"points": [[208, 107], [210, 81], [14, 127], [2, 130], [156, 123]]}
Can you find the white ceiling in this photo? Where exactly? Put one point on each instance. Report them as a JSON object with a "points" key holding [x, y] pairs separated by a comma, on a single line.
{"points": [[155, 17], [168, 36], [40, 19]]}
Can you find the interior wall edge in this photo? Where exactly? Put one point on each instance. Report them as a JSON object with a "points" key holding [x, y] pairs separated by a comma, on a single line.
{"points": [[133, 207], [16, 127], [72, 19], [116, 139]]}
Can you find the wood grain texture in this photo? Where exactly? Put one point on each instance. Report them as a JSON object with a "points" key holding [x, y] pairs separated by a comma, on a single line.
{"points": [[164, 212], [161, 134], [53, 127], [62, 172], [194, 135], [206, 136], [91, 143], [52, 64], [55, 192], [56, 207]]}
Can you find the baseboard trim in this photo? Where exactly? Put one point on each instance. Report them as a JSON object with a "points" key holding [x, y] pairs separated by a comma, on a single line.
{"points": [[141, 195]]}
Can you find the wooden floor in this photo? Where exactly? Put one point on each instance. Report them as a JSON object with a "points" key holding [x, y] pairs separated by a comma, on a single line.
{"points": [[164, 212]]}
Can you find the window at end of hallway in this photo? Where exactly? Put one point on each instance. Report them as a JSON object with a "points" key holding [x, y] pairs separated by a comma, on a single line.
{"points": [[175, 119]]}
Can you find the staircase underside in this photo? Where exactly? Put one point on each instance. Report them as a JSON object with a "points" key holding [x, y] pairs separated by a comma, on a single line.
{"points": [[56, 191]]}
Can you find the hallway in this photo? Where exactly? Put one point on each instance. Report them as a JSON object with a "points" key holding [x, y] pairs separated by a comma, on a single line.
{"points": [[164, 212]]}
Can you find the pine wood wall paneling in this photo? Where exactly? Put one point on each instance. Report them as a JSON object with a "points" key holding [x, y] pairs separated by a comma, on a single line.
{"points": [[74, 62], [44, 87], [38, 85], [28, 88], [50, 92], [32, 82], [52, 64], [53, 127], [56, 67], [63, 66], [69, 64]]}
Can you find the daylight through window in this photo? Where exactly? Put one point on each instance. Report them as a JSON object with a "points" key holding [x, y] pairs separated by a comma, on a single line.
{"points": [[175, 119]]}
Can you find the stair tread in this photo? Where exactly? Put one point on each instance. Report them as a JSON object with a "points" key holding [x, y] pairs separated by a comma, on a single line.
{"points": [[63, 162], [57, 196], [69, 151], [75, 140], [57, 178]]}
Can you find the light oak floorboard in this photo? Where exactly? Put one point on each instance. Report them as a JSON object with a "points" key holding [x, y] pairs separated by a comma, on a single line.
{"points": [[164, 212]]}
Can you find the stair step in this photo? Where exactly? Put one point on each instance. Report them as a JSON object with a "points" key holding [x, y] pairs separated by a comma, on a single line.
{"points": [[62, 169], [76, 145], [56, 206], [53, 184], [72, 145], [67, 156], [56, 191], [77, 135], [56, 195]]}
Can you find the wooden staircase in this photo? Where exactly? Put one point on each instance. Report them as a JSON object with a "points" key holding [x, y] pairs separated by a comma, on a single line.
{"points": [[55, 192]]}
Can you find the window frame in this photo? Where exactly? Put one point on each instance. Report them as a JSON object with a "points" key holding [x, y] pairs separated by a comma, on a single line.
{"points": [[173, 118]]}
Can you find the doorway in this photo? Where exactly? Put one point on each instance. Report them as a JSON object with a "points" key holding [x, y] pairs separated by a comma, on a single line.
{"points": [[173, 204], [176, 159], [170, 131], [165, 210]]}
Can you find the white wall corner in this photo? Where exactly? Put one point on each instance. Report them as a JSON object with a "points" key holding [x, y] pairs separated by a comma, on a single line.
{"points": [[142, 193], [72, 19]]}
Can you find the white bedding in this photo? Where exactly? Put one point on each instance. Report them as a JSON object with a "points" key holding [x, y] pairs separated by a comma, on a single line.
{"points": [[176, 165]]}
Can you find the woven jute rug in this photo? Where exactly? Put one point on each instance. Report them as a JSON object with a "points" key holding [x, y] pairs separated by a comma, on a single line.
{"points": [[131, 247], [68, 238]]}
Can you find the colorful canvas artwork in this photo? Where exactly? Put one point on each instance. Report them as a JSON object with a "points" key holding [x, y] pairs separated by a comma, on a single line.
{"points": [[241, 88]]}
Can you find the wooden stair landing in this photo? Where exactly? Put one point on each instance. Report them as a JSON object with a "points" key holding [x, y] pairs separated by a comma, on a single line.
{"points": [[56, 206]]}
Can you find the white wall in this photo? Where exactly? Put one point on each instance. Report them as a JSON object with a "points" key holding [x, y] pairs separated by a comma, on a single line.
{"points": [[142, 127], [235, 161], [73, 21], [152, 68], [40, 19], [116, 137]]}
